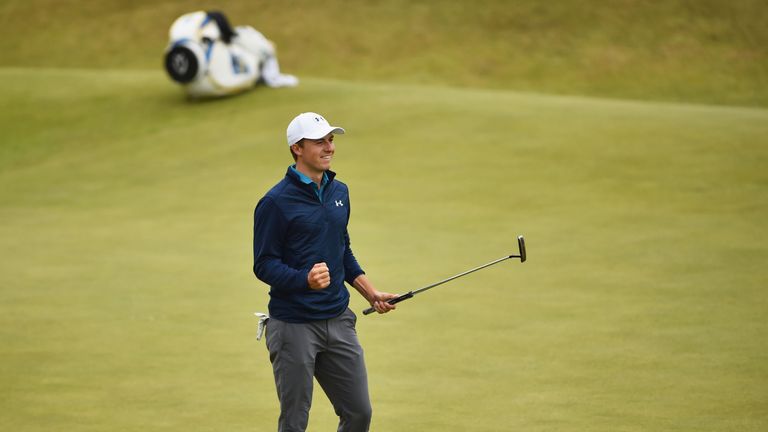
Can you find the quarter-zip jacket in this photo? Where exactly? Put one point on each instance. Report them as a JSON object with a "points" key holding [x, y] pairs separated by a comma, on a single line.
{"points": [[293, 230]]}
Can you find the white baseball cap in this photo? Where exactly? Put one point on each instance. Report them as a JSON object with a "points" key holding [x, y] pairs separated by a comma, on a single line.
{"points": [[309, 125]]}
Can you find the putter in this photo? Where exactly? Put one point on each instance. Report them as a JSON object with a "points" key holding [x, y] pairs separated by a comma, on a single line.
{"points": [[410, 294]]}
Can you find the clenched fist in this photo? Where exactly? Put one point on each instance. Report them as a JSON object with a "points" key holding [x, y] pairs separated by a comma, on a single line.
{"points": [[319, 277]]}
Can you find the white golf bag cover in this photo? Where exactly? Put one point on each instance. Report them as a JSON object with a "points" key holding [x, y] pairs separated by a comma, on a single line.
{"points": [[210, 58]]}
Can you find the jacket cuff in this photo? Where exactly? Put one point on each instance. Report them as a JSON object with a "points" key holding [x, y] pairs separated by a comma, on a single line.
{"points": [[301, 283], [350, 277]]}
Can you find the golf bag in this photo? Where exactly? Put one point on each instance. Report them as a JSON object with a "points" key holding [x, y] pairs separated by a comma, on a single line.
{"points": [[209, 57]]}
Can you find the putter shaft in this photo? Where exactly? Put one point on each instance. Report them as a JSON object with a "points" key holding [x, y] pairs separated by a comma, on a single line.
{"points": [[410, 294]]}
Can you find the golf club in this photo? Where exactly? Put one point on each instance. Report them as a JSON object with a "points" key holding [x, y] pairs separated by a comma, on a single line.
{"points": [[410, 294]]}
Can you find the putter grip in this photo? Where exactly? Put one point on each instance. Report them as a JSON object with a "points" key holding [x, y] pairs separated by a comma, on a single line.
{"points": [[395, 300]]}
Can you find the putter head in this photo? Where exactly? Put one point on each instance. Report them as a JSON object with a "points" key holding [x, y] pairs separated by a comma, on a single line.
{"points": [[521, 246]]}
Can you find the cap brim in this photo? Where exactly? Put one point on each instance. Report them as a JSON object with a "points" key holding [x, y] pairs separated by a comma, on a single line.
{"points": [[323, 132]]}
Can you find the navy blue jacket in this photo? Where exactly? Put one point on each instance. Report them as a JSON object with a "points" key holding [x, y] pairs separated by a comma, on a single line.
{"points": [[294, 229]]}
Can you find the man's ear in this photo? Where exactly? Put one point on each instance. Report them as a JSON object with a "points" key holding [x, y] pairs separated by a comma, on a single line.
{"points": [[296, 149]]}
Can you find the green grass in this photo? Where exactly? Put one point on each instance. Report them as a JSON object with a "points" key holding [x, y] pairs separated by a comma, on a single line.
{"points": [[126, 294], [708, 51]]}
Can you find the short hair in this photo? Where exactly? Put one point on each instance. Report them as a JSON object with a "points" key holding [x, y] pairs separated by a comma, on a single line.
{"points": [[299, 143]]}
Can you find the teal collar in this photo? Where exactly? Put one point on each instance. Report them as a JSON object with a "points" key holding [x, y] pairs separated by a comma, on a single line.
{"points": [[306, 180]]}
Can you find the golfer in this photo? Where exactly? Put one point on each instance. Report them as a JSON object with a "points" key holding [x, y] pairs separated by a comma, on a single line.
{"points": [[301, 250]]}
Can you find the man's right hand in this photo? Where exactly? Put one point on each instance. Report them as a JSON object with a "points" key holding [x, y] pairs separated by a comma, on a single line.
{"points": [[319, 277]]}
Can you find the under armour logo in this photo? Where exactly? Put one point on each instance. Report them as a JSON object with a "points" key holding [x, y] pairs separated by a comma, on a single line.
{"points": [[339, 203], [319, 119]]}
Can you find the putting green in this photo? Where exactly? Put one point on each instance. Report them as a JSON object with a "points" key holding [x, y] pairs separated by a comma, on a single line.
{"points": [[127, 297]]}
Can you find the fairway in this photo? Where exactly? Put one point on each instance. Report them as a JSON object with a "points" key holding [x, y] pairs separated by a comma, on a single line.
{"points": [[127, 295]]}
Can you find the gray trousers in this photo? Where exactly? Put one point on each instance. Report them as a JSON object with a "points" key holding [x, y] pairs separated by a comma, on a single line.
{"points": [[328, 351]]}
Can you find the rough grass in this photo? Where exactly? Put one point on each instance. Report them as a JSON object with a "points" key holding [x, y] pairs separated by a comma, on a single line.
{"points": [[710, 51]]}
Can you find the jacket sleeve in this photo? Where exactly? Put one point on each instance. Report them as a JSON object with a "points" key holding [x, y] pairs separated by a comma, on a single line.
{"points": [[351, 268], [269, 231]]}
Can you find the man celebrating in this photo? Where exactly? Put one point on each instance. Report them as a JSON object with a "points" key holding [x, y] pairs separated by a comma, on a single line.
{"points": [[301, 250]]}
